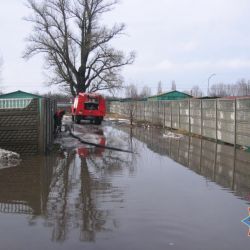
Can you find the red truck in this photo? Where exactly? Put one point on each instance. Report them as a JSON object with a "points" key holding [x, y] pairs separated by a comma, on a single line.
{"points": [[89, 106]]}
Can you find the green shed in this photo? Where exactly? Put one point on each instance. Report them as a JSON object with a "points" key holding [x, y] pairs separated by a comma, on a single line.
{"points": [[19, 94], [17, 99], [168, 96]]}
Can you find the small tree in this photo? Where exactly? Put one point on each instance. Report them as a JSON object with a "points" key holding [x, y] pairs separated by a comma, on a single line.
{"points": [[239, 88], [145, 92], [242, 87], [173, 87], [132, 95], [159, 88], [219, 90], [131, 91], [77, 47], [248, 87], [196, 91]]}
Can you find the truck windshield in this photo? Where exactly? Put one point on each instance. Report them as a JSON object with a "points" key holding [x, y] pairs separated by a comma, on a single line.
{"points": [[91, 106]]}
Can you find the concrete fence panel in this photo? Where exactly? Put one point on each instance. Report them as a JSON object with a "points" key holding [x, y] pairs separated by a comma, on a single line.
{"points": [[243, 122], [155, 113], [168, 114], [19, 128], [175, 115], [220, 119], [226, 120], [184, 115], [26, 126], [161, 108], [209, 118], [195, 116]]}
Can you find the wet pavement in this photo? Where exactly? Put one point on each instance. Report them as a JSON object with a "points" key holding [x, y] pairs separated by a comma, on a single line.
{"points": [[171, 193]]}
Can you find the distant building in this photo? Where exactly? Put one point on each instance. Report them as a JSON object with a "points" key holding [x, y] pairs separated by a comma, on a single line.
{"points": [[169, 96]]}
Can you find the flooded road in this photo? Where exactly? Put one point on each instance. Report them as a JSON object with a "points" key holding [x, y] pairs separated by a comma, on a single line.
{"points": [[171, 194]]}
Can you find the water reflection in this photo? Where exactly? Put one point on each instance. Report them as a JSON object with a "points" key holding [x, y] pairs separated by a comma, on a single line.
{"points": [[114, 199], [73, 200], [219, 163], [72, 190]]}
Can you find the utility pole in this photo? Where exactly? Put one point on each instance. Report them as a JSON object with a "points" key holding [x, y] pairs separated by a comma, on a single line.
{"points": [[208, 82]]}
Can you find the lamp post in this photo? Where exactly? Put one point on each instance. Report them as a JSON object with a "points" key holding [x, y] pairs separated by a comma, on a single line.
{"points": [[208, 82]]}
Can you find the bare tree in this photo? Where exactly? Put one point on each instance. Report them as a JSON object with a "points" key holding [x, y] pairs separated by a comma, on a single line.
{"points": [[132, 94], [145, 92], [219, 90], [196, 91], [242, 87], [75, 44], [131, 91], [248, 87], [159, 88], [173, 85]]}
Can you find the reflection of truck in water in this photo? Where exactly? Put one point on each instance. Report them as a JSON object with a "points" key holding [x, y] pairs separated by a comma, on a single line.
{"points": [[89, 106], [86, 151]]}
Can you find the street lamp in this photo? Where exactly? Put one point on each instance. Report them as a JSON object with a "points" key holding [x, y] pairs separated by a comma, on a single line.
{"points": [[208, 82]]}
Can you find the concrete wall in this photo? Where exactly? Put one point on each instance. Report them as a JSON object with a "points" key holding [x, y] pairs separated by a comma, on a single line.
{"points": [[219, 119], [27, 130]]}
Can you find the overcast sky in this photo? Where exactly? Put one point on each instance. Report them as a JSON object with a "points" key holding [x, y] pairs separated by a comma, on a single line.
{"points": [[181, 40]]}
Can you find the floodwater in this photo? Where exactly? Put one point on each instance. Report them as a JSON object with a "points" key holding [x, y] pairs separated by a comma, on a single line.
{"points": [[171, 194]]}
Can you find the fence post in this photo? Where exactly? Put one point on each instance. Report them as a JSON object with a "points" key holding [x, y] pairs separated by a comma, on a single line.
{"points": [[171, 114], [179, 114], [158, 112], [164, 113], [235, 122], [189, 120], [216, 120], [201, 119], [41, 135], [152, 111], [144, 106]]}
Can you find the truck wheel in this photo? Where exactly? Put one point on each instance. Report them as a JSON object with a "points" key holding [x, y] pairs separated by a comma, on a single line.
{"points": [[98, 121]]}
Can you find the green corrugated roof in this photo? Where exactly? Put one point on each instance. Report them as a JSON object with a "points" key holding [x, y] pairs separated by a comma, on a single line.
{"points": [[172, 95], [19, 94]]}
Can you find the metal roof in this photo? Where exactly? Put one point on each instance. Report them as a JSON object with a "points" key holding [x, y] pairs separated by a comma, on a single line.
{"points": [[19, 94]]}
